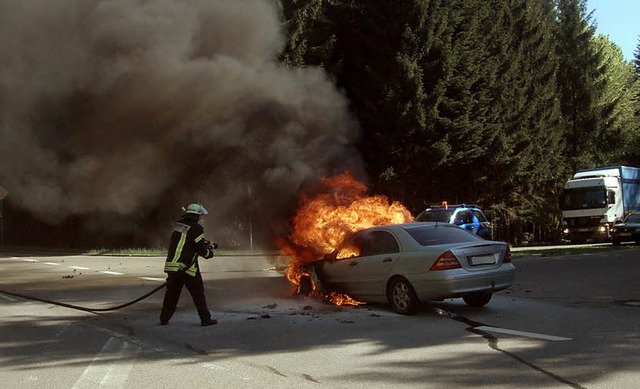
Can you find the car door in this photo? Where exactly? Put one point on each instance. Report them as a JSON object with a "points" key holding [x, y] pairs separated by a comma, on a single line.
{"points": [[363, 273]]}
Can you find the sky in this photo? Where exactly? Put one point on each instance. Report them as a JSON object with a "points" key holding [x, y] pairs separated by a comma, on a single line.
{"points": [[620, 19]]}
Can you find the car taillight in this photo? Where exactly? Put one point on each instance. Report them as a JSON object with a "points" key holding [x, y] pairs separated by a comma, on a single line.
{"points": [[446, 261], [507, 256]]}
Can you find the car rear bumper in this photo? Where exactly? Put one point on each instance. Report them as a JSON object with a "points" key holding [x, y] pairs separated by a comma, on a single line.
{"points": [[437, 285]]}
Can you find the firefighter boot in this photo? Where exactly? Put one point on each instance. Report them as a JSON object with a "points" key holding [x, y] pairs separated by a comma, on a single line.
{"points": [[208, 322]]}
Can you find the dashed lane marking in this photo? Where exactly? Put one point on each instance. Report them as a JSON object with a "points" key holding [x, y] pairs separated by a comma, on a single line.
{"points": [[107, 369], [84, 268], [521, 333], [8, 298], [115, 273]]}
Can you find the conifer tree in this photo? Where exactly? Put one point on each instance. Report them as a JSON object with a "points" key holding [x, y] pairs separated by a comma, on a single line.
{"points": [[633, 156], [504, 138], [581, 81], [299, 18], [616, 103], [379, 54]]}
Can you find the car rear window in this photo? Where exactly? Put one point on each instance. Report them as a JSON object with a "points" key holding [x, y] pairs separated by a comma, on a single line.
{"points": [[434, 235], [435, 215]]}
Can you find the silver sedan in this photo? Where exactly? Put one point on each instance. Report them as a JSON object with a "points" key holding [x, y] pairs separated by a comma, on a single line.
{"points": [[404, 264]]}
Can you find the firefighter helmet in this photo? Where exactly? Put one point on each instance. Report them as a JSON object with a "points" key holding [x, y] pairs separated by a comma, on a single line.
{"points": [[195, 208]]}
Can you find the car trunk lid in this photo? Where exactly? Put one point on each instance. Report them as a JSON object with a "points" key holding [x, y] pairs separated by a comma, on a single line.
{"points": [[482, 255]]}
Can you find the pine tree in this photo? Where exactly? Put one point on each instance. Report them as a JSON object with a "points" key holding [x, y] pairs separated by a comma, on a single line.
{"points": [[299, 17], [504, 135], [616, 103], [633, 157], [379, 54], [581, 81], [525, 177]]}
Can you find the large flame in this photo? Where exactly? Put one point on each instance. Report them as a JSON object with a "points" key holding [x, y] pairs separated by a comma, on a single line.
{"points": [[322, 222]]}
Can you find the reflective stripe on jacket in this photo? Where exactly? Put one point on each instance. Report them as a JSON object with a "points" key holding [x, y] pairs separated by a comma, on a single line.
{"points": [[187, 242]]}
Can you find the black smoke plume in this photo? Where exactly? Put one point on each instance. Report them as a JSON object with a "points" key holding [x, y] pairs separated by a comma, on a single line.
{"points": [[114, 114]]}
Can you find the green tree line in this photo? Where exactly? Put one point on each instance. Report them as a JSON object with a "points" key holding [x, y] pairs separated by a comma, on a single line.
{"points": [[491, 102]]}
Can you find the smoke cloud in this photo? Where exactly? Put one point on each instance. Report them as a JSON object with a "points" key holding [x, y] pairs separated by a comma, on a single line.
{"points": [[120, 112]]}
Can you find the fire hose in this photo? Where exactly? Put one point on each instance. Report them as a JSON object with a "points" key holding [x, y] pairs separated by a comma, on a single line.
{"points": [[84, 308], [211, 246]]}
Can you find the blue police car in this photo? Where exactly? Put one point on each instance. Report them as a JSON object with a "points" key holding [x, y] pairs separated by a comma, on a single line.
{"points": [[465, 216]]}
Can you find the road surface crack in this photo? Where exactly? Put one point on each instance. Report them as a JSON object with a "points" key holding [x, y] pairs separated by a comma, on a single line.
{"points": [[493, 344]]}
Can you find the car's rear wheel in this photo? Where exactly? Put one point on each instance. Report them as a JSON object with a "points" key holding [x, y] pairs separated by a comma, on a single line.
{"points": [[402, 297], [479, 299], [615, 242]]}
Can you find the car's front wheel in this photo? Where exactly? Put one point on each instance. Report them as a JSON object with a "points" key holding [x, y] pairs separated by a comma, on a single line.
{"points": [[477, 299], [306, 286], [402, 297]]}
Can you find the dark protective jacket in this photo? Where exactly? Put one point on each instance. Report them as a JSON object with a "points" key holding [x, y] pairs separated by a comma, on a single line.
{"points": [[187, 242]]}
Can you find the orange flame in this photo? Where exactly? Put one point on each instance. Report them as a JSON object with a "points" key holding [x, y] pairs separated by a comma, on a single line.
{"points": [[323, 221]]}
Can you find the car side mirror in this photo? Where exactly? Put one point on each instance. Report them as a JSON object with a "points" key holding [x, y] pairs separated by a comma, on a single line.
{"points": [[458, 222]]}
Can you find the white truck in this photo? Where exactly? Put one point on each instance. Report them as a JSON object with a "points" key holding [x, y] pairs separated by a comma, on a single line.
{"points": [[594, 199]]}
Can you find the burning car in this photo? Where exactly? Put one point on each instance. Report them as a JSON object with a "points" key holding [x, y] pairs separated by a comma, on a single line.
{"points": [[404, 264]]}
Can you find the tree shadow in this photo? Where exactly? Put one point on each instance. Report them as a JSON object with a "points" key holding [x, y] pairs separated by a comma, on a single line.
{"points": [[259, 316]]}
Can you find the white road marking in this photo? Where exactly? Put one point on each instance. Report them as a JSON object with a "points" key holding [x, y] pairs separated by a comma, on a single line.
{"points": [[8, 298], [51, 263], [522, 333], [214, 366], [79, 267], [110, 272], [28, 260], [152, 279], [106, 370]]}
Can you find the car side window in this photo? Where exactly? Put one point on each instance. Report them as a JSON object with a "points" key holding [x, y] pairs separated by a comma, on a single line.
{"points": [[349, 250], [464, 217], [353, 247], [378, 242], [479, 215]]}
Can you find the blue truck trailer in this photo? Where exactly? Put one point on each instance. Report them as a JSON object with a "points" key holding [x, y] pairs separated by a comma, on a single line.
{"points": [[594, 199]]}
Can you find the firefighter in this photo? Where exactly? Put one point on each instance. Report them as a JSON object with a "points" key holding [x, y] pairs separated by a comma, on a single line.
{"points": [[181, 266]]}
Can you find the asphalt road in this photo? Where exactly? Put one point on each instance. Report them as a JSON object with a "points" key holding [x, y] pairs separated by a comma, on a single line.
{"points": [[569, 321]]}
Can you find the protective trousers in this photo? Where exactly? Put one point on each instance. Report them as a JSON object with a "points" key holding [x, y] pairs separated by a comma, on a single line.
{"points": [[195, 286]]}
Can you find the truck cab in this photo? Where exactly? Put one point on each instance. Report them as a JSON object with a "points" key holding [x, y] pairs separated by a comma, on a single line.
{"points": [[594, 199], [589, 207]]}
